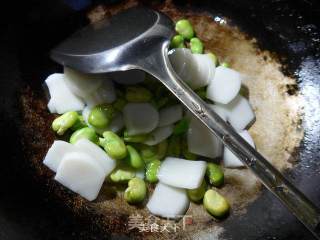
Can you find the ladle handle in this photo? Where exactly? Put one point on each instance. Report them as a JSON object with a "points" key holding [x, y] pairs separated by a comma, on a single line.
{"points": [[271, 178]]}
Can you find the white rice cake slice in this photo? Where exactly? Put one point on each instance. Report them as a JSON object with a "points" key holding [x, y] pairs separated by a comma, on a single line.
{"points": [[61, 98], [56, 152], [100, 156], [181, 173], [168, 202], [80, 173]]}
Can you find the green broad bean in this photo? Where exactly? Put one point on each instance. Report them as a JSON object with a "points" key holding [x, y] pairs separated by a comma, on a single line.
{"points": [[213, 58], [215, 174], [122, 175], [119, 104], [138, 94], [152, 170], [174, 146], [196, 195], [113, 145], [101, 115], [148, 153], [86, 132], [80, 123], [215, 204], [62, 123], [225, 64], [184, 28], [177, 42], [196, 45], [157, 152], [182, 45], [134, 138], [136, 191], [181, 127], [133, 158]]}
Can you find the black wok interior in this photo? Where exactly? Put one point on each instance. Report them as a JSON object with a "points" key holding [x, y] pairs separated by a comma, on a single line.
{"points": [[29, 29]]}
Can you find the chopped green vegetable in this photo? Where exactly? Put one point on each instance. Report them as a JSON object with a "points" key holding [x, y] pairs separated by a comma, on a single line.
{"points": [[138, 94], [181, 127], [136, 191], [215, 204], [122, 174], [213, 57], [133, 158], [184, 28], [196, 45], [119, 104], [197, 194], [177, 42], [62, 123], [113, 145], [101, 115], [135, 138], [152, 170], [86, 132], [174, 146], [215, 174]]}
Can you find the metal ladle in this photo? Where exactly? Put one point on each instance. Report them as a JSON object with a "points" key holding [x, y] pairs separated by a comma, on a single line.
{"points": [[138, 39]]}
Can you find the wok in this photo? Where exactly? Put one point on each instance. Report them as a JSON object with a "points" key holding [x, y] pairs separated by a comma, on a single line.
{"points": [[29, 205]]}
